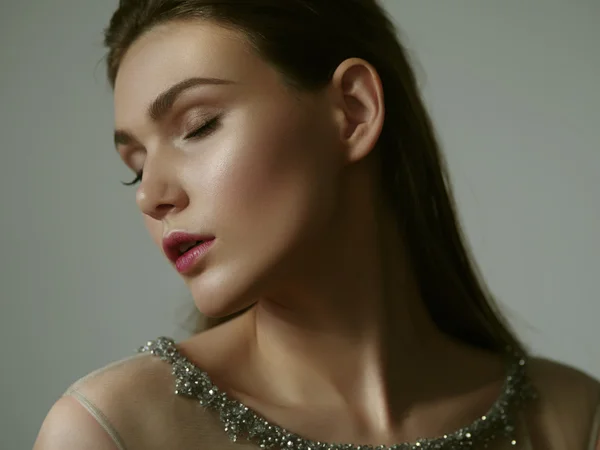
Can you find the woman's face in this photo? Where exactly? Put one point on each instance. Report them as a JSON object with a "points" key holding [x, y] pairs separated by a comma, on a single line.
{"points": [[244, 160]]}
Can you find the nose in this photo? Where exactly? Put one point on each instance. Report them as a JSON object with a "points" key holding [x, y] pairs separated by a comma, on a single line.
{"points": [[160, 193]]}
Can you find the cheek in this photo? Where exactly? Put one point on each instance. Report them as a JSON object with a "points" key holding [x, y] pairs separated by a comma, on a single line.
{"points": [[272, 182]]}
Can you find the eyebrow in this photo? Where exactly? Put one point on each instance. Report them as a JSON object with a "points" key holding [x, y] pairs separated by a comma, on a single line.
{"points": [[165, 101]]}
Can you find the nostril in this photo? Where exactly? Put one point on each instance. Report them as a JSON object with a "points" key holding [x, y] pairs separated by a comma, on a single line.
{"points": [[161, 210], [164, 207]]}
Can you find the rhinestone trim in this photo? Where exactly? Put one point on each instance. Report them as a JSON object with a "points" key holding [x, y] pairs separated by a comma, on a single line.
{"points": [[241, 422]]}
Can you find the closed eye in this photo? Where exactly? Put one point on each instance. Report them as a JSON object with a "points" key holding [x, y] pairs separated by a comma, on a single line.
{"points": [[205, 129], [198, 133]]}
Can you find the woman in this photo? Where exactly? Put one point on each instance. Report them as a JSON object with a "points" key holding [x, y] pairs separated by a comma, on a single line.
{"points": [[288, 169]]}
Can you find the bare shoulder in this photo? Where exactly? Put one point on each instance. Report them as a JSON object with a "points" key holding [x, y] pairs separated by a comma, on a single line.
{"points": [[103, 409], [564, 385], [68, 427], [130, 404], [568, 403]]}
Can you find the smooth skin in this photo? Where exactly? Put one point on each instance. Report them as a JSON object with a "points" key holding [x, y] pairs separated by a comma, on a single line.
{"points": [[288, 184]]}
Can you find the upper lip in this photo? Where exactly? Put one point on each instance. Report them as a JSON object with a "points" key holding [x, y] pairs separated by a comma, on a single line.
{"points": [[174, 240]]}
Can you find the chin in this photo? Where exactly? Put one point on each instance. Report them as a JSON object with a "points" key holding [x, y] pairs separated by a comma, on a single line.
{"points": [[217, 295]]}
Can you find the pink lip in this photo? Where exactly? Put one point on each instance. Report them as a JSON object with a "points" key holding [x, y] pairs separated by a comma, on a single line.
{"points": [[187, 261]]}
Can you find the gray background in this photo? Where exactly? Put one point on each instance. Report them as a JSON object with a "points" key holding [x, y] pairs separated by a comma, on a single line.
{"points": [[513, 88]]}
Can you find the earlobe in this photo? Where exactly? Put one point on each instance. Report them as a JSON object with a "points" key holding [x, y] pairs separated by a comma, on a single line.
{"points": [[360, 103]]}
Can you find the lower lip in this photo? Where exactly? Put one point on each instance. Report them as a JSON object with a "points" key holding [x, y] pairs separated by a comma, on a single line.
{"points": [[188, 261]]}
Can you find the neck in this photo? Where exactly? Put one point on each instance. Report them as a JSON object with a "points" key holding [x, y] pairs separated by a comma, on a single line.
{"points": [[345, 332], [350, 329]]}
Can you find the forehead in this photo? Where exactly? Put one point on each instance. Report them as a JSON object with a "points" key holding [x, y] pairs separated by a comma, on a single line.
{"points": [[172, 52]]}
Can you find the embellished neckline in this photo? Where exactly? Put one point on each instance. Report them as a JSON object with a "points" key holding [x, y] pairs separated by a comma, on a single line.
{"points": [[239, 421]]}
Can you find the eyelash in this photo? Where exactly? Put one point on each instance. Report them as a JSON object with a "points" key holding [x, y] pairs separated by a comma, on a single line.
{"points": [[207, 128], [200, 132], [136, 180]]}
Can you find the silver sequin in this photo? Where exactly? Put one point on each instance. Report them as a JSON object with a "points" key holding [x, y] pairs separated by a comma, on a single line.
{"points": [[240, 421]]}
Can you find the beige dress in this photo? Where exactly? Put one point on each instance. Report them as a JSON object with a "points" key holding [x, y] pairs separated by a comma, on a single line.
{"points": [[134, 401]]}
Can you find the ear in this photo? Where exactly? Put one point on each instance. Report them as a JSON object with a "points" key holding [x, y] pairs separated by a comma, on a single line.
{"points": [[359, 106]]}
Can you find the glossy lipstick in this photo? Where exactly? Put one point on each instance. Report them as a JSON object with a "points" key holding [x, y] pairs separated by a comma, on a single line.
{"points": [[185, 250]]}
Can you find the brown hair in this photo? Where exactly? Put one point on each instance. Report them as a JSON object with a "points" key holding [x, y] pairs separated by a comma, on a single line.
{"points": [[306, 40]]}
